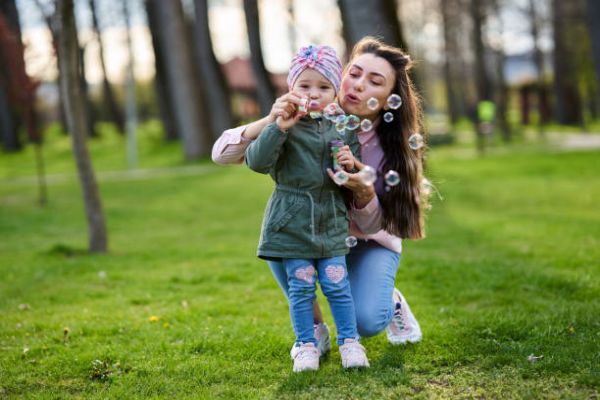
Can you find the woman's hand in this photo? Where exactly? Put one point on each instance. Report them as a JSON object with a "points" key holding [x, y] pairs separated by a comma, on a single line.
{"points": [[345, 158], [363, 192]]}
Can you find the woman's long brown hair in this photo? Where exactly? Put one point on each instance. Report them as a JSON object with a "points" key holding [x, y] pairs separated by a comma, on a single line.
{"points": [[403, 205]]}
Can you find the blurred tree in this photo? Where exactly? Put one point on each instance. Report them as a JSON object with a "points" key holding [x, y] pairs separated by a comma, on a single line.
{"points": [[265, 89], [215, 87], [9, 118], [190, 114], [482, 79], [114, 112], [566, 91], [451, 59], [375, 18], [501, 85], [74, 103], [130, 95], [538, 58], [165, 105]]}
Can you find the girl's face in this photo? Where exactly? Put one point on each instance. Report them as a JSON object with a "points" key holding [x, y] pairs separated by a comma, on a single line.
{"points": [[314, 86], [366, 76]]}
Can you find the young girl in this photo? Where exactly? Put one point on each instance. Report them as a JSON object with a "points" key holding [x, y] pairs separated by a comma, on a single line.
{"points": [[306, 220]]}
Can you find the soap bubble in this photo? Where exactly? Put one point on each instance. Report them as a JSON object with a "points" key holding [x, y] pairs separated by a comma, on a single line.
{"points": [[426, 186], [366, 125], [368, 175], [351, 241], [303, 105], [340, 177], [340, 127], [394, 101], [315, 114], [352, 122], [372, 103], [332, 111], [388, 117], [340, 119], [392, 178], [415, 141], [313, 105]]}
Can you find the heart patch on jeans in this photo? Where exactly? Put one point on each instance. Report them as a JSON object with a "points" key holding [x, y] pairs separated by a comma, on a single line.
{"points": [[306, 274], [335, 273]]}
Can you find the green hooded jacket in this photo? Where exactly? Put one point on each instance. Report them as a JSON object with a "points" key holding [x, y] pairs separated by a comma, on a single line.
{"points": [[306, 216]]}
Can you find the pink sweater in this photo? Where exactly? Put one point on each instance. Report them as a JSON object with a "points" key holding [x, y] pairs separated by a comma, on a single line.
{"points": [[365, 222]]}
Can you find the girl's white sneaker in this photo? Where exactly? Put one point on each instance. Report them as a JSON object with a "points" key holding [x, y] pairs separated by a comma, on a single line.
{"points": [[353, 354], [306, 357]]}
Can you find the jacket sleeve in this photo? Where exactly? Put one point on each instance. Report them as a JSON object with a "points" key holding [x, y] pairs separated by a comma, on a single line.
{"points": [[263, 153], [369, 218]]}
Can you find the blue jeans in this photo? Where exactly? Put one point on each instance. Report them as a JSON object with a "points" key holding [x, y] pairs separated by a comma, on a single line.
{"points": [[372, 272], [332, 274]]}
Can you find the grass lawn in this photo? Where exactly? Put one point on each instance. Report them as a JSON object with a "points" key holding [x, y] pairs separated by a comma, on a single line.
{"points": [[182, 308]]}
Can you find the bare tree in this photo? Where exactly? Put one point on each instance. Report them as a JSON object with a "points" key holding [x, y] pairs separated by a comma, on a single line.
{"points": [[376, 18], [74, 103], [189, 111], [567, 96], [450, 57], [213, 81], [501, 85], [593, 21], [165, 104], [265, 89], [116, 115]]}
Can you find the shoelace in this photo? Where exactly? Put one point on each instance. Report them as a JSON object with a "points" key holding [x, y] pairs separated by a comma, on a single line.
{"points": [[353, 349], [304, 354], [398, 317]]}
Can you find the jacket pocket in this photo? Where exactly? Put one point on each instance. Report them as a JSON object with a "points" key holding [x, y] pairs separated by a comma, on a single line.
{"points": [[283, 216]]}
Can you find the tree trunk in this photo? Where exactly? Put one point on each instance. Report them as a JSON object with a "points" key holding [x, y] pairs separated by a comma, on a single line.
{"points": [[130, 97], [265, 89], [538, 59], [87, 108], [74, 103], [502, 92], [188, 105], [376, 18], [593, 20], [484, 89], [566, 91], [114, 112], [449, 59], [10, 123], [165, 104], [213, 81]]}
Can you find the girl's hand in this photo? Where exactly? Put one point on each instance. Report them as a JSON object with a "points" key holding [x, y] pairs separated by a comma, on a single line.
{"points": [[285, 107], [345, 158], [363, 192]]}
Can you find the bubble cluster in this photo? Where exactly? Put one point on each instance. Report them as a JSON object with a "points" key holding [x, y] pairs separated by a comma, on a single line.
{"points": [[368, 175], [351, 241], [388, 117], [340, 127], [372, 103], [332, 111], [392, 178], [366, 125], [394, 101], [416, 141]]}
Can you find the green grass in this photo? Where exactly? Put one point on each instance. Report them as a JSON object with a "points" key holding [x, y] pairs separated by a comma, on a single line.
{"points": [[510, 267]]}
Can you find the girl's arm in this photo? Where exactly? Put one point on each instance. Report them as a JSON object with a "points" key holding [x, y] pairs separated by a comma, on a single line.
{"points": [[263, 153]]}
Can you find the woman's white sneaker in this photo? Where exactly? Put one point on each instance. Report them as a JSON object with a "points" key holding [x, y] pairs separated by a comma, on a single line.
{"points": [[306, 357], [404, 327], [353, 354]]}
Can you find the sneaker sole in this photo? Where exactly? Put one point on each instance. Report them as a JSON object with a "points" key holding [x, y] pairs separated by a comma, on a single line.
{"points": [[405, 340]]}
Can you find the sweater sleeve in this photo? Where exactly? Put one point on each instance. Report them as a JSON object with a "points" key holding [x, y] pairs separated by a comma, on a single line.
{"points": [[369, 218], [262, 154], [230, 146]]}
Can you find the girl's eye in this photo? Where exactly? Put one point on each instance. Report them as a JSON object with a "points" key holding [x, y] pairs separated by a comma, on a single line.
{"points": [[324, 87]]}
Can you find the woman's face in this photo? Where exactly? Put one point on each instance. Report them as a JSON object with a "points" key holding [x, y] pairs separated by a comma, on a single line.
{"points": [[366, 76]]}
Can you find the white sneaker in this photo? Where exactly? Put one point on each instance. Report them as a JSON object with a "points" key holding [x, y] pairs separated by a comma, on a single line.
{"points": [[306, 357], [322, 336], [353, 354], [321, 332], [404, 327]]}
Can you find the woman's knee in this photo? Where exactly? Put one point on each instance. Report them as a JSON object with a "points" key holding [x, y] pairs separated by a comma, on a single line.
{"points": [[371, 323]]}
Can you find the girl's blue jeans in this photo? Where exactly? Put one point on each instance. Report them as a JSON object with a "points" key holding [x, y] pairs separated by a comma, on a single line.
{"points": [[302, 275], [372, 272]]}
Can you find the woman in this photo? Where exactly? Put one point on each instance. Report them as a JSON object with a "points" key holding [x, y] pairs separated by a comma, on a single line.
{"points": [[380, 217]]}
